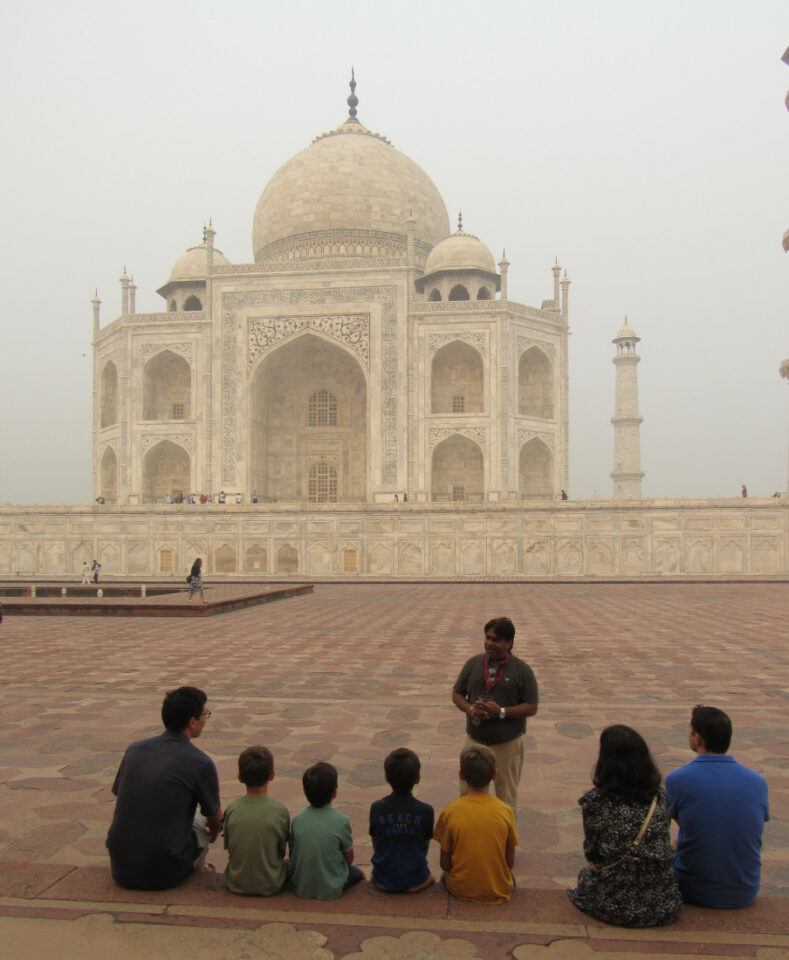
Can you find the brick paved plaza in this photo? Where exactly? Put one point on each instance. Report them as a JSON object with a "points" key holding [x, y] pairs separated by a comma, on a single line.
{"points": [[345, 674]]}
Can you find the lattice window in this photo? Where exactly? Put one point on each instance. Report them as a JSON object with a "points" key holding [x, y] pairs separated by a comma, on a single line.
{"points": [[165, 561], [288, 560], [178, 411], [458, 493], [349, 564], [322, 409], [322, 483], [458, 404]]}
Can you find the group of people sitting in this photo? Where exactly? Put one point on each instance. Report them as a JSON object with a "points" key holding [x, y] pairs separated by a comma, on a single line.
{"points": [[633, 877]]}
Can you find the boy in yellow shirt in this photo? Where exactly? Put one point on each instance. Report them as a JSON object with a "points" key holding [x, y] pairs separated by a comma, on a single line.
{"points": [[477, 834]]}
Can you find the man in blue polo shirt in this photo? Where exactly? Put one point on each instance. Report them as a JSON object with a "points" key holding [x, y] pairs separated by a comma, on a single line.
{"points": [[721, 807]]}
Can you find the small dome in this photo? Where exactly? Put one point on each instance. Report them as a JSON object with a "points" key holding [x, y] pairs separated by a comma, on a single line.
{"points": [[626, 332], [193, 265], [347, 180], [460, 251]]}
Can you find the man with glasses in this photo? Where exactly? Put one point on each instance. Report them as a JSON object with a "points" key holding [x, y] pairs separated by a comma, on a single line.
{"points": [[497, 692], [158, 837]]}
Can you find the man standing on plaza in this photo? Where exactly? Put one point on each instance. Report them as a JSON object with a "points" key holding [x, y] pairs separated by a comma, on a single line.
{"points": [[157, 839], [721, 807], [497, 692]]}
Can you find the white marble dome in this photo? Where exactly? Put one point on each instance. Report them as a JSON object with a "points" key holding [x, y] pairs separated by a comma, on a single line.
{"points": [[460, 251], [193, 264], [349, 180], [626, 332]]}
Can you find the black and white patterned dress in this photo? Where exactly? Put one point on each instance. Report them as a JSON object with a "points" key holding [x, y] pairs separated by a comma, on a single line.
{"points": [[639, 890]]}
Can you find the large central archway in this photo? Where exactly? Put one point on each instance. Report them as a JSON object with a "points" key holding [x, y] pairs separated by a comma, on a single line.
{"points": [[308, 442]]}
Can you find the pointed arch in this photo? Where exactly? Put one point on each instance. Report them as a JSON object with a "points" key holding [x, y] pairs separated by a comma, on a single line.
{"points": [[457, 470], [535, 471], [166, 469], [192, 303], [483, 294], [435, 295], [457, 379], [535, 384], [459, 292], [109, 475], [308, 405], [109, 394], [167, 388]]}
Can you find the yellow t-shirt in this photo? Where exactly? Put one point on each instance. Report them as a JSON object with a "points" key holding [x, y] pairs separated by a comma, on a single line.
{"points": [[476, 831]]}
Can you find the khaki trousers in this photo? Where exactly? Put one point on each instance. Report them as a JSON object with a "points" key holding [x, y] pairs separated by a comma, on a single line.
{"points": [[509, 766]]}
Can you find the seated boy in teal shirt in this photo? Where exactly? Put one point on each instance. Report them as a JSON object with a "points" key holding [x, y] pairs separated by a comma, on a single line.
{"points": [[321, 847]]}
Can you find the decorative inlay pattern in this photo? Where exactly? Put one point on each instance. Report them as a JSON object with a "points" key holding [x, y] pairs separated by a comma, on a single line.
{"points": [[305, 266], [458, 306], [383, 295], [526, 343], [477, 434], [353, 329], [184, 440], [524, 435], [147, 350], [438, 340]]}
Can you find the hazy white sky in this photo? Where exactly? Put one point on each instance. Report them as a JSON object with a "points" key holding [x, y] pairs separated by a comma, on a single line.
{"points": [[644, 145]]}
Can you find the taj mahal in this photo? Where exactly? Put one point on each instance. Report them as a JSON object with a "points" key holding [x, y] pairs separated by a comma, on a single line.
{"points": [[363, 399], [367, 351]]}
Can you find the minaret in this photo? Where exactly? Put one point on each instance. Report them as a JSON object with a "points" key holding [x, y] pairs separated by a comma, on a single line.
{"points": [[627, 473]]}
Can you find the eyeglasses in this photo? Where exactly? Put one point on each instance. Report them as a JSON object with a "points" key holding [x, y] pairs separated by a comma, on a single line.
{"points": [[207, 714]]}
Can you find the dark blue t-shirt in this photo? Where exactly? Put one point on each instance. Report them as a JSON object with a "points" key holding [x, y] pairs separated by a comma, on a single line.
{"points": [[159, 785], [401, 827], [721, 807]]}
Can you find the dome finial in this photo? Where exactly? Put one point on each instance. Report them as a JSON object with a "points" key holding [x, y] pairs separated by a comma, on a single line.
{"points": [[353, 100], [460, 221]]}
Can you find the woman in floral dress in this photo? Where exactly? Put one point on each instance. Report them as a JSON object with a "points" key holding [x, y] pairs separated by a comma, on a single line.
{"points": [[629, 880], [196, 580]]}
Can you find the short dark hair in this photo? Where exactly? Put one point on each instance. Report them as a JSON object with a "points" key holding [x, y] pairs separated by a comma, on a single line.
{"points": [[180, 706], [477, 766], [625, 768], [503, 627], [320, 783], [713, 726], [255, 766], [401, 769]]}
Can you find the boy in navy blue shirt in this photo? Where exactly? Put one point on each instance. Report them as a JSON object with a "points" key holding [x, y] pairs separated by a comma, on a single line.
{"points": [[401, 828]]}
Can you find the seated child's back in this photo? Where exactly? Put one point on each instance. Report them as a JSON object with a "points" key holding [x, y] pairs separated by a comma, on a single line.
{"points": [[477, 834], [256, 830], [321, 846], [401, 827]]}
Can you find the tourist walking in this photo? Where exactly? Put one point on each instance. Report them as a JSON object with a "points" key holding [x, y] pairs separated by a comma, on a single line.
{"points": [[95, 568], [195, 579]]}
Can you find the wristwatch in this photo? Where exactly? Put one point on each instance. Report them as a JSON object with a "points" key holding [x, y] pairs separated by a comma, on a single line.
{"points": [[502, 714]]}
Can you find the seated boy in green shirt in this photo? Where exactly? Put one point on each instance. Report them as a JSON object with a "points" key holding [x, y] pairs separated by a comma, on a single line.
{"points": [[321, 847], [477, 834], [256, 830]]}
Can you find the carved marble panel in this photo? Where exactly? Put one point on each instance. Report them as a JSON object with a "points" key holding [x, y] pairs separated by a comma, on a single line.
{"points": [[185, 440], [524, 435], [148, 350], [352, 329], [526, 343], [478, 434], [477, 340]]}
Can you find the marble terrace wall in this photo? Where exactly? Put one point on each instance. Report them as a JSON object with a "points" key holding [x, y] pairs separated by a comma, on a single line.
{"points": [[595, 538]]}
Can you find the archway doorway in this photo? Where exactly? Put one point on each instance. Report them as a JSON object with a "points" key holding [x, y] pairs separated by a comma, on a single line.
{"points": [[308, 403], [166, 470], [458, 470]]}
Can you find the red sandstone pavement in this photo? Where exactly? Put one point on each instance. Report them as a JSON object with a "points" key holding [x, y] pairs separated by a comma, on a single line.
{"points": [[345, 674]]}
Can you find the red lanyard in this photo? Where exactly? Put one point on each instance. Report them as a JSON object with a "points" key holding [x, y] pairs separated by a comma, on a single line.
{"points": [[490, 685]]}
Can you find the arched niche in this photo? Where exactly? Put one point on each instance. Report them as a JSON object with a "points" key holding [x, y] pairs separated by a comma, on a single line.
{"points": [[167, 388], [535, 471], [483, 294], [308, 406], [535, 384], [435, 295], [172, 306], [192, 303], [109, 394], [459, 292], [109, 475], [457, 470], [457, 380], [166, 469]]}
